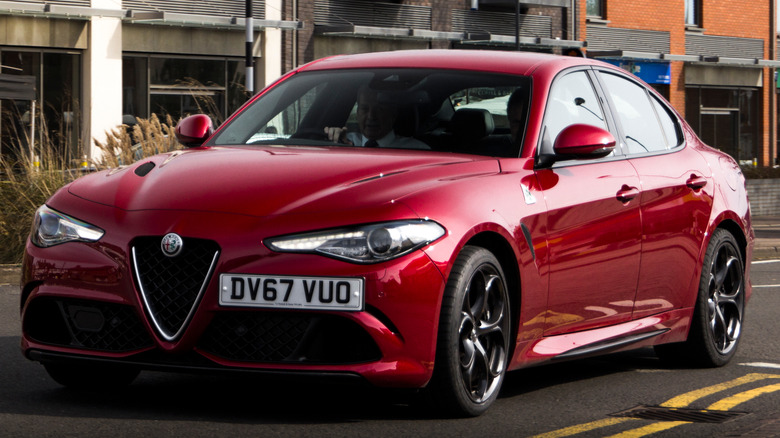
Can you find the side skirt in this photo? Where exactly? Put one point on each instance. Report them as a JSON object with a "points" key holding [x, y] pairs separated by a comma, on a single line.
{"points": [[608, 345], [661, 328]]}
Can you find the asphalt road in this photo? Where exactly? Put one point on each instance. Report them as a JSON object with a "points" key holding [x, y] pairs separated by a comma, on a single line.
{"points": [[566, 399]]}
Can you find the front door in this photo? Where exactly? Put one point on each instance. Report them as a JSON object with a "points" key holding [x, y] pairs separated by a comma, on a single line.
{"points": [[594, 225]]}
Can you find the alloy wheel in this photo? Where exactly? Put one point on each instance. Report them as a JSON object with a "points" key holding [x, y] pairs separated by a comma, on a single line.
{"points": [[483, 334]]}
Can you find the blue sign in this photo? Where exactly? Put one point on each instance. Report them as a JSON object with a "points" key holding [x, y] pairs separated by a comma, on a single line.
{"points": [[650, 72]]}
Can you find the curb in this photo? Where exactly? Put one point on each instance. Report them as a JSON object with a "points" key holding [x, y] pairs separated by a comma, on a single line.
{"points": [[765, 253], [10, 274]]}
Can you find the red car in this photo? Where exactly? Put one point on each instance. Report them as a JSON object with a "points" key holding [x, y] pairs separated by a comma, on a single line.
{"points": [[423, 219]]}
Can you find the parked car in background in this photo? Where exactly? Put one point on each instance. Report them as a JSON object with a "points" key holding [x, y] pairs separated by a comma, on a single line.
{"points": [[414, 219]]}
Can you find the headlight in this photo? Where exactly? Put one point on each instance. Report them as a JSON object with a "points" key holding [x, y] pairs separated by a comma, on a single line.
{"points": [[51, 227], [363, 244]]}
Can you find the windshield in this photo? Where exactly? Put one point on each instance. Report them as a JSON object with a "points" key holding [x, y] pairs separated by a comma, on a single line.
{"points": [[440, 110]]}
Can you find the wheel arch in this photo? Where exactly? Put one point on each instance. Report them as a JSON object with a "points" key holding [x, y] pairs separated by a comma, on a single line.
{"points": [[733, 227], [497, 244]]}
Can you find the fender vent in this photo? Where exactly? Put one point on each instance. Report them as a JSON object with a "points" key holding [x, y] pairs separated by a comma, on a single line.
{"points": [[660, 413]]}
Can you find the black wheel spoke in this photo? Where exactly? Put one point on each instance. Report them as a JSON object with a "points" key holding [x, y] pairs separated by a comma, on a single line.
{"points": [[467, 348], [476, 296], [718, 327], [719, 272], [475, 376]]}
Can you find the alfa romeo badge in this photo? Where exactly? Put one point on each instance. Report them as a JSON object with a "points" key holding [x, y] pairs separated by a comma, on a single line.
{"points": [[172, 244]]}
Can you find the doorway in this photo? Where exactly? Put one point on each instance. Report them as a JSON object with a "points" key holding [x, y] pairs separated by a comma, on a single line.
{"points": [[720, 129]]}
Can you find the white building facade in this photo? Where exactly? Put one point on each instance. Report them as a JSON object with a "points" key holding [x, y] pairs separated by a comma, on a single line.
{"points": [[96, 64]]}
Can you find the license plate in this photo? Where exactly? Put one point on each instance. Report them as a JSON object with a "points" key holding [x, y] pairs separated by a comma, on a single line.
{"points": [[273, 291]]}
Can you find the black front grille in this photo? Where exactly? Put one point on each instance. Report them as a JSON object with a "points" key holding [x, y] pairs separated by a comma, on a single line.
{"points": [[172, 286], [90, 325], [277, 337]]}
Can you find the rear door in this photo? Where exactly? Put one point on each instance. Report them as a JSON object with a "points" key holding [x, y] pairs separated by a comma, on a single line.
{"points": [[676, 197]]}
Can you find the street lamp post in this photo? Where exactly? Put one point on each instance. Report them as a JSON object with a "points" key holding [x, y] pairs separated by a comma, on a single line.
{"points": [[517, 25], [250, 33]]}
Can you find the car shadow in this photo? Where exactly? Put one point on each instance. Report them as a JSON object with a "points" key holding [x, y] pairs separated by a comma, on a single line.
{"points": [[26, 389], [556, 373]]}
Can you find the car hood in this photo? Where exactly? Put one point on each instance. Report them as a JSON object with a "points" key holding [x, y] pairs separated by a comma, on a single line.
{"points": [[262, 181]]}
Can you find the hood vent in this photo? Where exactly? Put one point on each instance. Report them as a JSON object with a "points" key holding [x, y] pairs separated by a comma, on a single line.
{"points": [[144, 169]]}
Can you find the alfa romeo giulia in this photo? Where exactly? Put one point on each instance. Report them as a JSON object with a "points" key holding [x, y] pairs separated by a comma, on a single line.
{"points": [[415, 219]]}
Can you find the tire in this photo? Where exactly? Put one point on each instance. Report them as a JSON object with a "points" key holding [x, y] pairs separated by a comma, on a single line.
{"points": [[719, 312], [474, 336], [91, 376]]}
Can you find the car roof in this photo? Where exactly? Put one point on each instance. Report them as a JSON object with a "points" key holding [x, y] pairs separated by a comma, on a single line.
{"points": [[523, 63]]}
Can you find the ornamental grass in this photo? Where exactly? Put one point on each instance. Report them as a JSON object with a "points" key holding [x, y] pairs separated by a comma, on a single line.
{"points": [[29, 178]]}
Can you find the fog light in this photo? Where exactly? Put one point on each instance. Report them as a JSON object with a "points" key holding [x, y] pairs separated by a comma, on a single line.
{"points": [[87, 319]]}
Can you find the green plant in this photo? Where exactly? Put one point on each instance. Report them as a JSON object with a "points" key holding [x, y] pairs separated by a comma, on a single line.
{"points": [[148, 137], [26, 184], [29, 179]]}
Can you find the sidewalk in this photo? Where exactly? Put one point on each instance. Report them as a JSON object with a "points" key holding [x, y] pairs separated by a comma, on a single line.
{"points": [[767, 245]]}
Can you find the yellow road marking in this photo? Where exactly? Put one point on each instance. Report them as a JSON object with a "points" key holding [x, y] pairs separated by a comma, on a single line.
{"points": [[742, 397], [649, 429], [580, 428], [681, 401], [686, 399]]}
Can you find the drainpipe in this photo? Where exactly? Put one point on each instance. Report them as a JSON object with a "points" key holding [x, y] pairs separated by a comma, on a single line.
{"points": [[574, 23], [295, 36], [772, 84]]}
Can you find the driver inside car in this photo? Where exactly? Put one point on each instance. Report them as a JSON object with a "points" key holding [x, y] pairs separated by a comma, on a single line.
{"points": [[376, 120]]}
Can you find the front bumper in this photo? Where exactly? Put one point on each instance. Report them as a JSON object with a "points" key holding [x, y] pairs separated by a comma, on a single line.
{"points": [[81, 302]]}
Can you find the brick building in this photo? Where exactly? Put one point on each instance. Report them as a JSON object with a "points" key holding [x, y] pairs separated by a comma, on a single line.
{"points": [[715, 66], [714, 59], [354, 26]]}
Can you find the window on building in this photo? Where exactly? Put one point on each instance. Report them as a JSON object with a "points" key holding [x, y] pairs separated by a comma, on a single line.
{"points": [[181, 86], [595, 8], [56, 111], [727, 118], [693, 13]]}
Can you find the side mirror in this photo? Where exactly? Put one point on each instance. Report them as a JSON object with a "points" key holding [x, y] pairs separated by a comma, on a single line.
{"points": [[194, 130], [582, 141]]}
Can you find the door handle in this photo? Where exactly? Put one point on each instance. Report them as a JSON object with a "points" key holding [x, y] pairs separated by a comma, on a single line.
{"points": [[626, 193], [696, 181]]}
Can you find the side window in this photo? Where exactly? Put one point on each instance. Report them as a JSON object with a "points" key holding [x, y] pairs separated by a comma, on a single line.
{"points": [[572, 100], [642, 129], [672, 129]]}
